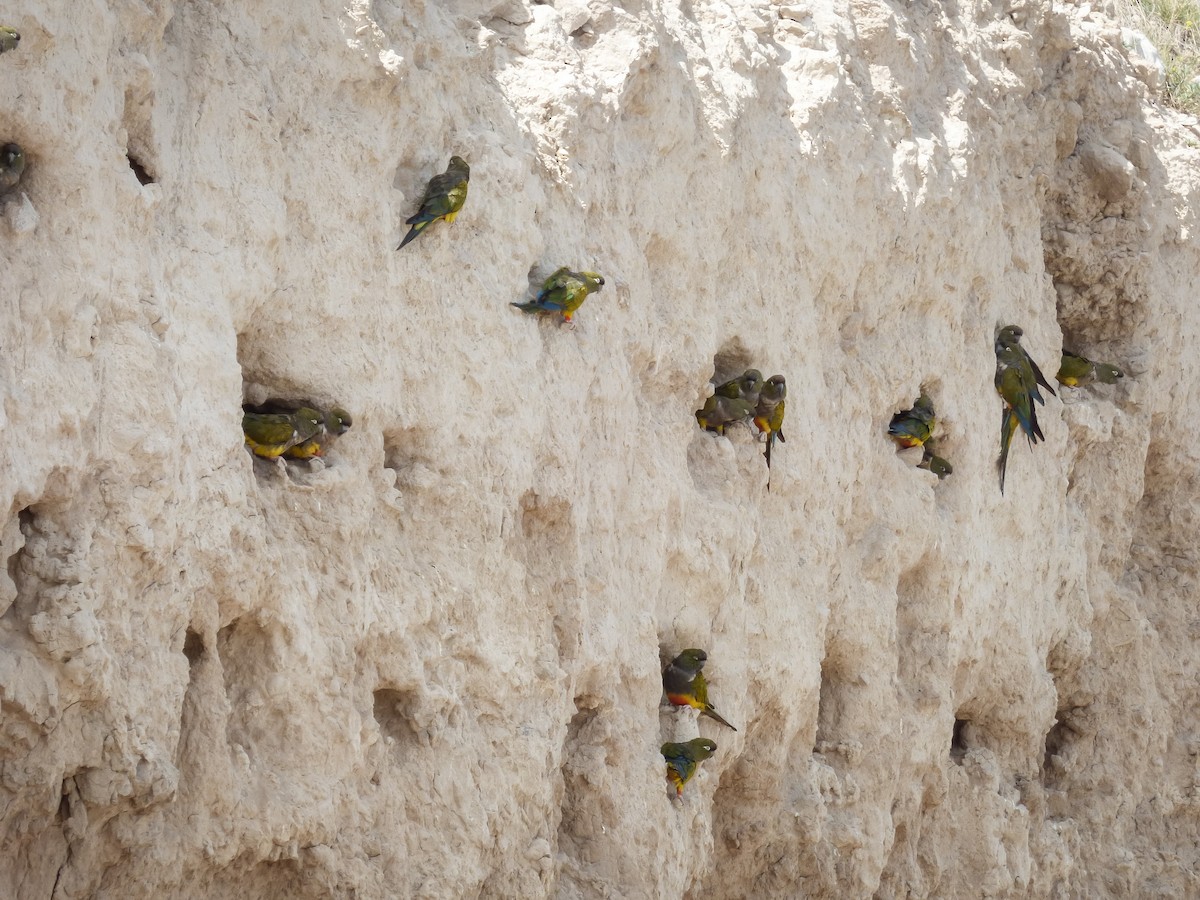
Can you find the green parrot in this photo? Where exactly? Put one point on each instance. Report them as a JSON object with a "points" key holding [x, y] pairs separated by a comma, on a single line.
{"points": [[444, 197], [684, 759], [331, 426], [1017, 381], [1078, 371], [12, 164], [931, 462], [9, 38], [912, 427], [1009, 339], [563, 293], [747, 386], [270, 435], [684, 684], [768, 415], [732, 402]]}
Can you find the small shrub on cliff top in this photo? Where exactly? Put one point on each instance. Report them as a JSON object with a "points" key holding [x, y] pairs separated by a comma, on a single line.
{"points": [[1173, 26]]}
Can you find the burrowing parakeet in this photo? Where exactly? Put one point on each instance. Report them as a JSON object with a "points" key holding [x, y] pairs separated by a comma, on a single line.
{"points": [[270, 435], [733, 401], [684, 759], [1008, 341], [912, 427], [9, 38], [563, 292], [444, 197], [1017, 380], [1079, 371], [12, 164], [768, 415], [684, 684]]}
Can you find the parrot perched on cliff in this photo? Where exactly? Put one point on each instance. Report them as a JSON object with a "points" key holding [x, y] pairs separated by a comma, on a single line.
{"points": [[732, 402], [1078, 371], [1017, 380], [684, 684], [768, 415], [270, 435], [1008, 343], [563, 292], [748, 386], [12, 164], [684, 759], [931, 462], [444, 197], [9, 38], [912, 427]]}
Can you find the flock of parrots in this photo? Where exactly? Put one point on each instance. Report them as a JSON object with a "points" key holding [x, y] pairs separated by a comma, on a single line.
{"points": [[1017, 382], [302, 431]]}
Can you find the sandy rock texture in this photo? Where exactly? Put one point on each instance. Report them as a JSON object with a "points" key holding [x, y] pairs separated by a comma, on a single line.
{"points": [[431, 666]]}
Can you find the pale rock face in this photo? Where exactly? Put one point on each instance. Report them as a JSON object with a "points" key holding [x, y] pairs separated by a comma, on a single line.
{"points": [[430, 667]]}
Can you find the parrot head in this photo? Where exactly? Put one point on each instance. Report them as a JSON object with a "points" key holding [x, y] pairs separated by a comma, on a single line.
{"points": [[701, 748], [593, 280], [1009, 337], [691, 660], [751, 382], [338, 421], [309, 416], [12, 157], [9, 38], [1108, 374], [775, 389], [458, 166]]}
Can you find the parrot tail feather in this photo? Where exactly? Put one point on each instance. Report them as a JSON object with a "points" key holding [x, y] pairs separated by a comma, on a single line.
{"points": [[713, 714], [416, 229]]}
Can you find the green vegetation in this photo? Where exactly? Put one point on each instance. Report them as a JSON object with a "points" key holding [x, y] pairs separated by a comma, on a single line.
{"points": [[1173, 26]]}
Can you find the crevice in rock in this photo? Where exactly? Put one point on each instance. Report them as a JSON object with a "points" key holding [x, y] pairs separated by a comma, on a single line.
{"points": [[24, 526], [64, 806], [137, 118], [1060, 741], [44, 555], [731, 360], [960, 740], [193, 647], [140, 172], [391, 712]]}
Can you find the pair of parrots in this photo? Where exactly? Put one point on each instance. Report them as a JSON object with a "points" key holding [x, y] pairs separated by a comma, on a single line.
{"points": [[1018, 380], [562, 293], [684, 685], [281, 428], [914, 428]]}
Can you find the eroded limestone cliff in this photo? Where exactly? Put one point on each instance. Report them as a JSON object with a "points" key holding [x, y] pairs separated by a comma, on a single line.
{"points": [[430, 668]]}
